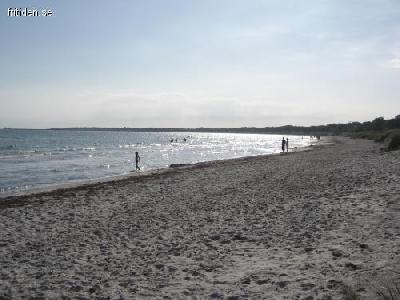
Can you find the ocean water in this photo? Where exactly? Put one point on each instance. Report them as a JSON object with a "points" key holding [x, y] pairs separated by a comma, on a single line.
{"points": [[32, 159]]}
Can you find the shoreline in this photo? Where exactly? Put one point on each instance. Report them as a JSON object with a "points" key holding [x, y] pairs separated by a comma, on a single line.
{"points": [[301, 226], [133, 174]]}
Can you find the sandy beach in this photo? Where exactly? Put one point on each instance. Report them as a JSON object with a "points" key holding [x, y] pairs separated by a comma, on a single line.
{"points": [[295, 226]]}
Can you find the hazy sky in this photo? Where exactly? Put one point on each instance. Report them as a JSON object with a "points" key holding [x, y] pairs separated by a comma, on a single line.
{"points": [[213, 63]]}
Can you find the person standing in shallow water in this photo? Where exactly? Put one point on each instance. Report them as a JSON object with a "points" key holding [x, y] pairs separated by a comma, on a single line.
{"points": [[137, 160], [283, 144], [287, 144]]}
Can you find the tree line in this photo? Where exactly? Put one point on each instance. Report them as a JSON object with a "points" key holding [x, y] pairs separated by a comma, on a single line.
{"points": [[378, 125]]}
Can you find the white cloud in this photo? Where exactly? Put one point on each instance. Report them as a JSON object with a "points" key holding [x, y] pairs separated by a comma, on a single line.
{"points": [[179, 109], [395, 63]]}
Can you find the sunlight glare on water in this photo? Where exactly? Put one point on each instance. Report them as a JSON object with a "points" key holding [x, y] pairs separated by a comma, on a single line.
{"points": [[35, 158]]}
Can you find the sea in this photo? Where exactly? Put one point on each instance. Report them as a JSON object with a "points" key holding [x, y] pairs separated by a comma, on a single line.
{"points": [[32, 159]]}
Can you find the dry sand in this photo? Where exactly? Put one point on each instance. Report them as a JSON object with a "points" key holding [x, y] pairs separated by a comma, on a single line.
{"points": [[293, 226]]}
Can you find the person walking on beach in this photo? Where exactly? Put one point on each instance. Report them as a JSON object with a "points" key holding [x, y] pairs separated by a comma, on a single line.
{"points": [[137, 160], [287, 144], [283, 144]]}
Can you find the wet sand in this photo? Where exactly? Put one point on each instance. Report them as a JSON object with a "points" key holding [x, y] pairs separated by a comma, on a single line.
{"points": [[295, 226]]}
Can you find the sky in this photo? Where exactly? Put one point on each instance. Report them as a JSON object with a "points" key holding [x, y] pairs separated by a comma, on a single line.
{"points": [[203, 63]]}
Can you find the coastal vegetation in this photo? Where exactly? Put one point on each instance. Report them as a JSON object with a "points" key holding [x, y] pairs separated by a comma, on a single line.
{"points": [[373, 128]]}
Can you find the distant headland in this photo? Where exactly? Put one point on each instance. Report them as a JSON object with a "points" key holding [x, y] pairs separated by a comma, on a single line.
{"points": [[359, 129]]}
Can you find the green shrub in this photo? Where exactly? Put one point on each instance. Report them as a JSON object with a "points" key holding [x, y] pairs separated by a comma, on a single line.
{"points": [[392, 141]]}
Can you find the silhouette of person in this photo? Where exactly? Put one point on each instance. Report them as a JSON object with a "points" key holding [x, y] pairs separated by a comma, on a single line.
{"points": [[283, 144], [287, 144], [137, 159]]}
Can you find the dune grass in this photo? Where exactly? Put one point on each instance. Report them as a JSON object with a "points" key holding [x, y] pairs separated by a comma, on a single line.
{"points": [[382, 288]]}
